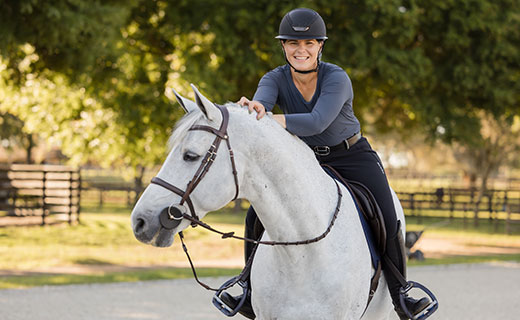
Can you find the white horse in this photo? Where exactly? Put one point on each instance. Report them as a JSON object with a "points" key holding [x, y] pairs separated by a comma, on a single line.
{"points": [[294, 199]]}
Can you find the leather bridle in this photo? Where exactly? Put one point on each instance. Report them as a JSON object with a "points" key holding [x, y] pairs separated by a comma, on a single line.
{"points": [[170, 220]]}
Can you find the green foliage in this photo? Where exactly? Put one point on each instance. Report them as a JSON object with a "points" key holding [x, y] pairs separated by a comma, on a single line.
{"points": [[102, 68], [11, 131], [70, 36]]}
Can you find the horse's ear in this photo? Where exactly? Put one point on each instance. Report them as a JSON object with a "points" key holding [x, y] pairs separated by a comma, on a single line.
{"points": [[207, 107], [186, 104]]}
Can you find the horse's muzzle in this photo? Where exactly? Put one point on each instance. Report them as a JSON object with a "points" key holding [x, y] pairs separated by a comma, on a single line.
{"points": [[148, 229], [144, 228]]}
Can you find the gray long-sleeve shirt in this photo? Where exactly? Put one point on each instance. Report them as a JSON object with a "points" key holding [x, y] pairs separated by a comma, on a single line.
{"points": [[325, 120]]}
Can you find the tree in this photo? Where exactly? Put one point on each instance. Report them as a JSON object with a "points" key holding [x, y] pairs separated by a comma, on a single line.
{"points": [[12, 134], [72, 65], [499, 143], [416, 66]]}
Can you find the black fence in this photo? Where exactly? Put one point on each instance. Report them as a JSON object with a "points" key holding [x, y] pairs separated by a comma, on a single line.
{"points": [[47, 192], [101, 194], [494, 205]]}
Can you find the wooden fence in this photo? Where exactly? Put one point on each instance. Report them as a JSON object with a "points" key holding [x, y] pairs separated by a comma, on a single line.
{"points": [[495, 205], [47, 192]]}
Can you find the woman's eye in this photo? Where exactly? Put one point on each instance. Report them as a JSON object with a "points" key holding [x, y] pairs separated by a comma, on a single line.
{"points": [[190, 156]]}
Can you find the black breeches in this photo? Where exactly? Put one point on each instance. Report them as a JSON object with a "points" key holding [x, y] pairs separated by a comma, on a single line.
{"points": [[359, 163]]}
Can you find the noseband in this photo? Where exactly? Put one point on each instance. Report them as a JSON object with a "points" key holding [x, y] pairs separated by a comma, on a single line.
{"points": [[169, 219]]}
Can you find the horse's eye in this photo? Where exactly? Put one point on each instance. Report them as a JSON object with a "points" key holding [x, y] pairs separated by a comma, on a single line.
{"points": [[190, 156]]}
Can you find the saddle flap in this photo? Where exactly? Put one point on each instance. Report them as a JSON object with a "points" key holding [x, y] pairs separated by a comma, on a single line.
{"points": [[371, 211]]}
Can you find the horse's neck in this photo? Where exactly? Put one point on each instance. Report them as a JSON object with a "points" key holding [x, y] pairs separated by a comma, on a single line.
{"points": [[291, 194]]}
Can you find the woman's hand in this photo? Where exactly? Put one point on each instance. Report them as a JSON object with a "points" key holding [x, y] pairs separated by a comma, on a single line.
{"points": [[280, 118], [253, 105]]}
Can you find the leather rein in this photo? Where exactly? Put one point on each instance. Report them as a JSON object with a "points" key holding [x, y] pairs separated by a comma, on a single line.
{"points": [[167, 217]]}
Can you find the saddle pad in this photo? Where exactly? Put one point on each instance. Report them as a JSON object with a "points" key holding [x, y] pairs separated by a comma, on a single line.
{"points": [[374, 253]]}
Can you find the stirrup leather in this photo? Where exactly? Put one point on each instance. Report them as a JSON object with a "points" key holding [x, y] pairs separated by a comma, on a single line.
{"points": [[428, 311]]}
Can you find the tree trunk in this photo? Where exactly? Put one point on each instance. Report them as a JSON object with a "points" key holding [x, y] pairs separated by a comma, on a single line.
{"points": [[482, 190], [138, 183], [30, 146]]}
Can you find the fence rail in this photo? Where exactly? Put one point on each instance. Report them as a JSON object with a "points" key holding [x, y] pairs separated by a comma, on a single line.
{"points": [[40, 191], [495, 205], [52, 190]]}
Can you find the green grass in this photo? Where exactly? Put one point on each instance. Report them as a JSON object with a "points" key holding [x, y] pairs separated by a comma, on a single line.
{"points": [[27, 281], [465, 259], [444, 224], [104, 238]]}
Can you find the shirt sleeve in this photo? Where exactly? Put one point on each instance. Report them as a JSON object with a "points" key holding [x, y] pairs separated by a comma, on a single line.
{"points": [[335, 91], [267, 91]]}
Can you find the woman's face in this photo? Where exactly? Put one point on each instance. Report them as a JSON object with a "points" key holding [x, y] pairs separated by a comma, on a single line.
{"points": [[302, 54]]}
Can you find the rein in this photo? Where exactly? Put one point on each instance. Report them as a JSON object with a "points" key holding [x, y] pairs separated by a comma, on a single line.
{"points": [[171, 220]]}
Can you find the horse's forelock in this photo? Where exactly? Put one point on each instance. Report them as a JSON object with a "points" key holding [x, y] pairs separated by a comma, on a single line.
{"points": [[182, 127]]}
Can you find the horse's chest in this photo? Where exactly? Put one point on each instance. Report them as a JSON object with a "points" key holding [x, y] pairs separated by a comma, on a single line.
{"points": [[305, 283]]}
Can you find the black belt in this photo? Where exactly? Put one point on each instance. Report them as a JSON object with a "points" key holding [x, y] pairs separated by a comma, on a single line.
{"points": [[343, 145]]}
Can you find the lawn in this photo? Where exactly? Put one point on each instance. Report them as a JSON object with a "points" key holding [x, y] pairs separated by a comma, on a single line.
{"points": [[103, 247]]}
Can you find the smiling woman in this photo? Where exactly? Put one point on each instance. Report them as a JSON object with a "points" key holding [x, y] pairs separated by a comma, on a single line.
{"points": [[302, 54], [317, 101]]}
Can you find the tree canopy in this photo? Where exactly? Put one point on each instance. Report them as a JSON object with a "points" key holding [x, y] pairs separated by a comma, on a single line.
{"points": [[93, 74]]}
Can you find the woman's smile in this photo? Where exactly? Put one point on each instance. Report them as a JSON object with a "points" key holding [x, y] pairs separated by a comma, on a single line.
{"points": [[302, 53]]}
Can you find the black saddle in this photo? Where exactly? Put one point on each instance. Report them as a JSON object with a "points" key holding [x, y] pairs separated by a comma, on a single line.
{"points": [[368, 206], [371, 211]]}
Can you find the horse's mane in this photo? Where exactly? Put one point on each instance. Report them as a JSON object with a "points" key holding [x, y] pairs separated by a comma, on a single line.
{"points": [[182, 127]]}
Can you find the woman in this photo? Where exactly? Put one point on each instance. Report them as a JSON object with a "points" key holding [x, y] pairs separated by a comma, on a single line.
{"points": [[316, 98]]}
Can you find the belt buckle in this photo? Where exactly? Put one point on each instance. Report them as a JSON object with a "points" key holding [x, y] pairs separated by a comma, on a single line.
{"points": [[322, 150]]}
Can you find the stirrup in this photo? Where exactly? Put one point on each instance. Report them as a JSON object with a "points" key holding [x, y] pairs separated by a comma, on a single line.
{"points": [[224, 308], [428, 311]]}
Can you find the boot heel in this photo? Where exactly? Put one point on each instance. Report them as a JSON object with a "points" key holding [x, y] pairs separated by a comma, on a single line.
{"points": [[426, 312]]}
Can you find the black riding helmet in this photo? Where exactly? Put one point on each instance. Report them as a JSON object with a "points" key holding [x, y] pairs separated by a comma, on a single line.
{"points": [[299, 24]]}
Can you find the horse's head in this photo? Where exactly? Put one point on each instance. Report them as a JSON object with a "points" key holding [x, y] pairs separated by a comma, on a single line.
{"points": [[198, 176]]}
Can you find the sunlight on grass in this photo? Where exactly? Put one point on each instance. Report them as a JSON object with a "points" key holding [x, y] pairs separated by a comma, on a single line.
{"points": [[105, 238], [143, 275]]}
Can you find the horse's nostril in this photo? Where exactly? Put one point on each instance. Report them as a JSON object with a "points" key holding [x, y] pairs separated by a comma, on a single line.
{"points": [[139, 226]]}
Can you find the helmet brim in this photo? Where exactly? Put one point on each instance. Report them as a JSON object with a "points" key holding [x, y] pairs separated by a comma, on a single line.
{"points": [[302, 37]]}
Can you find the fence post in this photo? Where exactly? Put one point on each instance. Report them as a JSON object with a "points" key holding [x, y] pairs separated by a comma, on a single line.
{"points": [[419, 210], [128, 197], [412, 204], [452, 205], [237, 206], [490, 205], [464, 218], [101, 189], [71, 190], [79, 195], [44, 206], [508, 219]]}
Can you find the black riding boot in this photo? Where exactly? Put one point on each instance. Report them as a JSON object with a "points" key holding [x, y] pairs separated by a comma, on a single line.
{"points": [[253, 230], [395, 254]]}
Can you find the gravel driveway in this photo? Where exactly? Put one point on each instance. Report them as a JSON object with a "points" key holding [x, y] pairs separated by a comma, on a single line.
{"points": [[474, 291]]}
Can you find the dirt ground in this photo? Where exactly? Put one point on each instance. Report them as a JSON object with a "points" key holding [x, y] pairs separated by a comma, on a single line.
{"points": [[467, 291]]}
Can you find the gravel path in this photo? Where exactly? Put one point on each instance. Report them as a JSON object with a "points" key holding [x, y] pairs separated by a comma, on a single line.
{"points": [[475, 291]]}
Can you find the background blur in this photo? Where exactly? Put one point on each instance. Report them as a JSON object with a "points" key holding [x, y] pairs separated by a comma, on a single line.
{"points": [[86, 84]]}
